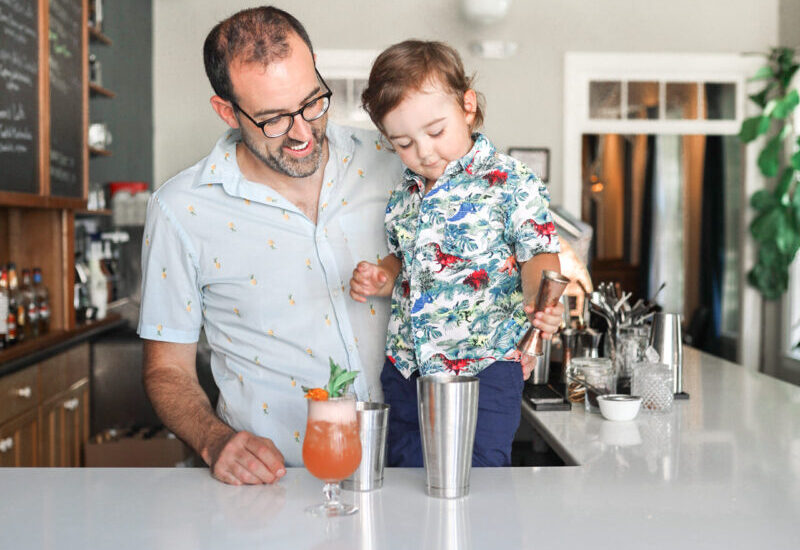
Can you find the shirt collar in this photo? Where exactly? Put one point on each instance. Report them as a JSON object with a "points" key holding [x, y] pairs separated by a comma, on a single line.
{"points": [[221, 168], [482, 150]]}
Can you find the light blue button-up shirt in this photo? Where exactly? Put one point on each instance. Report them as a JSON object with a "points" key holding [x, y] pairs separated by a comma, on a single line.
{"points": [[269, 286]]}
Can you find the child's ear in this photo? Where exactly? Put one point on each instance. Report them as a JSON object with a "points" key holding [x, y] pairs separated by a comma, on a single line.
{"points": [[470, 105]]}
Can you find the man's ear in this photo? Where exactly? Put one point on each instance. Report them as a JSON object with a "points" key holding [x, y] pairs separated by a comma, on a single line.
{"points": [[470, 105], [224, 110]]}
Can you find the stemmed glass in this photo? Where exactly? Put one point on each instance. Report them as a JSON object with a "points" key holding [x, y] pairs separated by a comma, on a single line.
{"points": [[332, 450]]}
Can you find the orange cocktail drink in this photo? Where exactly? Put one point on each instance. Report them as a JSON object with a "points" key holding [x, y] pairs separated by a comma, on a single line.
{"points": [[332, 448]]}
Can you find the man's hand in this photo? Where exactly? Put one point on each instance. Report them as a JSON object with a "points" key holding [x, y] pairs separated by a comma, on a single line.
{"points": [[369, 280], [547, 321], [241, 458]]}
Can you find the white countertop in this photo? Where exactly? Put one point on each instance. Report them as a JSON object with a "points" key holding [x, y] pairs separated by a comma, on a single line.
{"points": [[721, 471]]}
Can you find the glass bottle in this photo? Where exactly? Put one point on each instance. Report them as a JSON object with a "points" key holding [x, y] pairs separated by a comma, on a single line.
{"points": [[31, 307], [3, 307], [42, 296], [16, 318]]}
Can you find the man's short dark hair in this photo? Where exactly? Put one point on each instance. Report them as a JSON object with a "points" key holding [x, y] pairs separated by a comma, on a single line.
{"points": [[257, 35]]}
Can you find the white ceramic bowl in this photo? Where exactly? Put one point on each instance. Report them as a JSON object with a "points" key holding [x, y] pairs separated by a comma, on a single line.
{"points": [[619, 407]]}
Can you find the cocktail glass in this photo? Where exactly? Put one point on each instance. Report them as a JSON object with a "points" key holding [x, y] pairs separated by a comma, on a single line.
{"points": [[332, 450]]}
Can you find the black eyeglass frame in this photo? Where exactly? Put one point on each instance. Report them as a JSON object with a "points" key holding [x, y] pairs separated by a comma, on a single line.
{"points": [[261, 125]]}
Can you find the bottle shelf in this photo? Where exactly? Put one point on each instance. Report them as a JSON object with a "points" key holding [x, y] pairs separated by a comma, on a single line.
{"points": [[95, 152], [98, 36], [97, 90]]}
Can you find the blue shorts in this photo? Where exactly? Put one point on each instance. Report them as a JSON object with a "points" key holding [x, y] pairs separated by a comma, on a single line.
{"points": [[499, 409]]}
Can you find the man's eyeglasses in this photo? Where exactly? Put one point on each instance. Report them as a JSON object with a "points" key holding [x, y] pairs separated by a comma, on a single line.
{"points": [[280, 125]]}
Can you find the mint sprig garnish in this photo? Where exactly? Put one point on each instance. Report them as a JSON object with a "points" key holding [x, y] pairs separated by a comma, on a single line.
{"points": [[339, 379]]}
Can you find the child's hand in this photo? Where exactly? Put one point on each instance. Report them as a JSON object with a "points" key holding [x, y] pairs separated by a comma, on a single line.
{"points": [[547, 321], [368, 280]]}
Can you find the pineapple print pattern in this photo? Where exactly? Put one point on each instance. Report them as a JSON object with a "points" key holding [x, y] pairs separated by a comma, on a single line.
{"points": [[216, 263], [191, 210], [291, 299], [158, 329], [265, 408], [188, 306], [271, 244], [297, 436], [232, 226], [253, 280], [292, 381], [163, 272], [327, 319]]}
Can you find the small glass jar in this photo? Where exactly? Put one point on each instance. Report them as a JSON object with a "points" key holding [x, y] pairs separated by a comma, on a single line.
{"points": [[589, 377], [653, 383]]}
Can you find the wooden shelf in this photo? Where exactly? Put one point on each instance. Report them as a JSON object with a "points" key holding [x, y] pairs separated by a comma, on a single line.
{"points": [[95, 152], [96, 90], [97, 36], [84, 213], [52, 339]]}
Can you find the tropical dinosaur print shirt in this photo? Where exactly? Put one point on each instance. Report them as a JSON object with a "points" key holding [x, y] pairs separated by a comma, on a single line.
{"points": [[457, 303], [267, 285]]}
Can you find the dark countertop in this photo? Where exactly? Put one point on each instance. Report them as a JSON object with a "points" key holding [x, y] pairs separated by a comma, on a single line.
{"points": [[39, 349]]}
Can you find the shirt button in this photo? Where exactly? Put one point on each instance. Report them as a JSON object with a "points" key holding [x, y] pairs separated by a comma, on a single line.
{"points": [[420, 334]]}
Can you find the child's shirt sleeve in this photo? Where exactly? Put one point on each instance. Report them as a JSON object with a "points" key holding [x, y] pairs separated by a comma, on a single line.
{"points": [[529, 223], [392, 210]]}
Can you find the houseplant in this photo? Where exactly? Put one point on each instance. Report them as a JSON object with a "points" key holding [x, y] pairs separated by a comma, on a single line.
{"points": [[776, 225]]}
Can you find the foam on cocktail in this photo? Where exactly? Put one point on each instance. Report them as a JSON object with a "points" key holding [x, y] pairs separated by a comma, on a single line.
{"points": [[334, 411]]}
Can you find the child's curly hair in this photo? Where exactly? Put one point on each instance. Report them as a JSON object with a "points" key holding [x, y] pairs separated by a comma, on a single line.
{"points": [[410, 66]]}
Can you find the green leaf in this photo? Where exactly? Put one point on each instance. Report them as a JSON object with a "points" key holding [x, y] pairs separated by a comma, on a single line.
{"points": [[795, 161], [786, 105], [763, 200], [763, 73], [341, 382], [788, 74], [753, 127], [782, 190], [760, 98], [765, 226], [770, 107], [784, 232], [769, 159]]}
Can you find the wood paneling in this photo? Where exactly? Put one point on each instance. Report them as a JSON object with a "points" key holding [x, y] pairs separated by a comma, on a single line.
{"points": [[22, 434], [19, 392], [64, 370]]}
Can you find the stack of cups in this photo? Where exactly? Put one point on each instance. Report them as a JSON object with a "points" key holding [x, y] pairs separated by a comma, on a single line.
{"points": [[448, 414]]}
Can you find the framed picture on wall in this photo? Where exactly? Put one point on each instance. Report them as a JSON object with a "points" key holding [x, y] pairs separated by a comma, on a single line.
{"points": [[536, 158]]}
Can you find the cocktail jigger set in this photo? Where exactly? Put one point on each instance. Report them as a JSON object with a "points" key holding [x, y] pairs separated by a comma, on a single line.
{"points": [[532, 344]]}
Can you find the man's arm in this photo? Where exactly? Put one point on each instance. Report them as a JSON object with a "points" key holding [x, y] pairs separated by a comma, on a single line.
{"points": [[170, 379]]}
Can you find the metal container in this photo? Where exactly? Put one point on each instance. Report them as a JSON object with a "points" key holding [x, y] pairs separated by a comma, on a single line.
{"points": [[448, 414], [551, 287], [666, 339], [541, 370], [372, 422]]}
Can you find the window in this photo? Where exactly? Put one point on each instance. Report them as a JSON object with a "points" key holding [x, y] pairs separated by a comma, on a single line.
{"points": [[346, 72]]}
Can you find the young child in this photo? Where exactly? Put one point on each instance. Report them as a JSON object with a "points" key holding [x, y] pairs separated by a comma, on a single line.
{"points": [[469, 234]]}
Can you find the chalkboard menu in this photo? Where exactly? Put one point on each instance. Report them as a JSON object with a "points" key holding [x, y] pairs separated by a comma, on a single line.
{"points": [[19, 96], [66, 98]]}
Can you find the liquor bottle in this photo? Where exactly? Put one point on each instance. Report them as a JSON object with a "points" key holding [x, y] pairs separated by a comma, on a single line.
{"points": [[13, 335], [3, 307], [42, 301], [30, 305], [98, 283]]}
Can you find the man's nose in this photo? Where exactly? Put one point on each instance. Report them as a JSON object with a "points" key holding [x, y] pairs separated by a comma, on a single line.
{"points": [[301, 129]]}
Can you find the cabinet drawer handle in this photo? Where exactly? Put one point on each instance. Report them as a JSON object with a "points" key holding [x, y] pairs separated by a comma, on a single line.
{"points": [[6, 444], [24, 392], [71, 404]]}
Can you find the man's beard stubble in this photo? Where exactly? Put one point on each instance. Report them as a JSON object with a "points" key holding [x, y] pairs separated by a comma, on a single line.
{"points": [[284, 164]]}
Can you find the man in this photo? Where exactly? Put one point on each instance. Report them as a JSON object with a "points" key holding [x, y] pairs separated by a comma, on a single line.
{"points": [[255, 243]]}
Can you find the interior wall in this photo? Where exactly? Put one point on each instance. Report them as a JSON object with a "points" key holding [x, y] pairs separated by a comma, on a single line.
{"points": [[127, 67], [524, 94]]}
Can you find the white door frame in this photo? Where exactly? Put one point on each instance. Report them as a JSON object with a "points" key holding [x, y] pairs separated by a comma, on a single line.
{"points": [[582, 68]]}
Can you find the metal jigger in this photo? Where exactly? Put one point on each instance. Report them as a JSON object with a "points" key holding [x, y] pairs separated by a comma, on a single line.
{"points": [[551, 287]]}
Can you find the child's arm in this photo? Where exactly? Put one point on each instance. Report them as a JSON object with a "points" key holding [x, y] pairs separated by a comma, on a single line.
{"points": [[548, 320], [374, 279]]}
